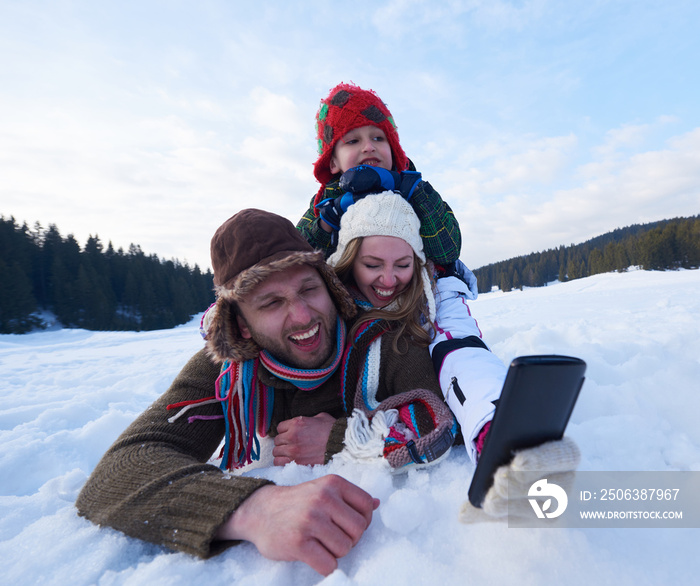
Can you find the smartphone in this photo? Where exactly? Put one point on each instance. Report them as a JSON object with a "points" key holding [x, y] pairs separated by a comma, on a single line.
{"points": [[537, 399]]}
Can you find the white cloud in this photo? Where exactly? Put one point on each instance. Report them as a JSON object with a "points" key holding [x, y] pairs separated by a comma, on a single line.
{"points": [[631, 137], [539, 163], [500, 15], [277, 112], [454, 19], [640, 188], [511, 166]]}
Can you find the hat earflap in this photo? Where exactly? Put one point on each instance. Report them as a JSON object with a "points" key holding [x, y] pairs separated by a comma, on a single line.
{"points": [[224, 340], [343, 300]]}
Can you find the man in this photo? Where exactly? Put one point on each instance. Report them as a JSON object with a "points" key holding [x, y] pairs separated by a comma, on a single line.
{"points": [[274, 346]]}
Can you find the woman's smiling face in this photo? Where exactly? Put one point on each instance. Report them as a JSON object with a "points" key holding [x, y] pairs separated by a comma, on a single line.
{"points": [[383, 268]]}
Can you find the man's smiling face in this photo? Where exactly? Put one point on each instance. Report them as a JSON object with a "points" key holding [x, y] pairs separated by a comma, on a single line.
{"points": [[292, 316]]}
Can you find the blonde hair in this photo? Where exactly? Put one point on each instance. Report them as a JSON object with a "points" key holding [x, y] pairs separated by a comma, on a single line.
{"points": [[412, 311]]}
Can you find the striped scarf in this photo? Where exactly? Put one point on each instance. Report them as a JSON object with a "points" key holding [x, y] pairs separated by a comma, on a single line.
{"points": [[307, 380], [247, 402], [359, 374]]}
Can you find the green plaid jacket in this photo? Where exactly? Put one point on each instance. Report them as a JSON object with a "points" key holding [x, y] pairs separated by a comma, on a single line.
{"points": [[439, 228]]}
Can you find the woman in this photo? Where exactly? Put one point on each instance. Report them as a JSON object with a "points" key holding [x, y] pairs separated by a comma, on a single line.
{"points": [[380, 260]]}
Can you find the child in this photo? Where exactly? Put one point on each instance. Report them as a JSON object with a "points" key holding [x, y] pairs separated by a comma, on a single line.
{"points": [[354, 127], [360, 153]]}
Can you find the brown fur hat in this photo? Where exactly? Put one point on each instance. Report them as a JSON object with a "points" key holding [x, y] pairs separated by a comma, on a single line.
{"points": [[245, 250]]}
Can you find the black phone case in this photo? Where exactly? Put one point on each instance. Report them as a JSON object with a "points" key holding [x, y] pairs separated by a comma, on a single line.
{"points": [[537, 399]]}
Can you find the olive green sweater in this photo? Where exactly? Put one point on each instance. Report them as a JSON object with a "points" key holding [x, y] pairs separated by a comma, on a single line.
{"points": [[154, 482]]}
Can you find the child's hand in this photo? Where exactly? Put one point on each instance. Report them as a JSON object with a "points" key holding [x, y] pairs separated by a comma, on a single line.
{"points": [[365, 179], [331, 210]]}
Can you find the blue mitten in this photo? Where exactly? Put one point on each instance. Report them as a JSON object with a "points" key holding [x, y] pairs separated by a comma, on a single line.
{"points": [[366, 179], [332, 209]]}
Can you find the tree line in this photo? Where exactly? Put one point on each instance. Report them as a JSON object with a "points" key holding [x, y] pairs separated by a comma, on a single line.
{"points": [[667, 244], [106, 289], [93, 287]]}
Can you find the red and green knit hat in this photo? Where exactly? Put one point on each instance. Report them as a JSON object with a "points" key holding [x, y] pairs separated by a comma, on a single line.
{"points": [[348, 107]]}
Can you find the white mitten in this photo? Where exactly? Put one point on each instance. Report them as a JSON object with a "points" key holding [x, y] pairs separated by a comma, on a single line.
{"points": [[557, 460]]}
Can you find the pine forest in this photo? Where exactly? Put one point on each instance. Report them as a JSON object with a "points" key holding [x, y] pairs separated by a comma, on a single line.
{"points": [[92, 287]]}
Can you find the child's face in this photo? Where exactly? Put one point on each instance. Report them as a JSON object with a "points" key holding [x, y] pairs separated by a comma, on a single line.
{"points": [[383, 268], [366, 145]]}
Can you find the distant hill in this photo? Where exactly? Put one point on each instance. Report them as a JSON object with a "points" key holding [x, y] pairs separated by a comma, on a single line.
{"points": [[93, 287], [667, 244]]}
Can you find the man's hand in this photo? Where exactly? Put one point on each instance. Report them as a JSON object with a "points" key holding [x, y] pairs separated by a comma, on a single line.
{"points": [[316, 522], [302, 440]]}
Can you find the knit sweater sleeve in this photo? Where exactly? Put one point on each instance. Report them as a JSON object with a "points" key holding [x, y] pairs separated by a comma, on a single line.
{"points": [[336, 439], [405, 372], [154, 483]]}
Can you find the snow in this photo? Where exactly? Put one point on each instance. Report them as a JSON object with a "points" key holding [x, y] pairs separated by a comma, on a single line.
{"points": [[67, 394]]}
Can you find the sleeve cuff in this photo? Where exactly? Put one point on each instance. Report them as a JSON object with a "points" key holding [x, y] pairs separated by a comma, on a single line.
{"points": [[336, 439]]}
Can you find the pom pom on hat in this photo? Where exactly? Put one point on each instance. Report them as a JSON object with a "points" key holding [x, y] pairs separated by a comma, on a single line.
{"points": [[346, 108]]}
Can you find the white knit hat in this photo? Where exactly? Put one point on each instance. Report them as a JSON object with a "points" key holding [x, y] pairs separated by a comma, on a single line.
{"points": [[384, 214]]}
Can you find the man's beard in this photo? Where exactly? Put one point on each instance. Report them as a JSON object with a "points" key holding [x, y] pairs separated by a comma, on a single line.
{"points": [[282, 350]]}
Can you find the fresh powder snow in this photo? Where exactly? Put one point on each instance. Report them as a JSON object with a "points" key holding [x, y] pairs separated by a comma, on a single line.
{"points": [[67, 395]]}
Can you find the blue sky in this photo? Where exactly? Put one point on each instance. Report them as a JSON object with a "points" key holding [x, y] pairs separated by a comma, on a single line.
{"points": [[541, 122]]}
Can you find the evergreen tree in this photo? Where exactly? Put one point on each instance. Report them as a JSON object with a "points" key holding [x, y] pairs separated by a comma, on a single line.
{"points": [[505, 283], [517, 283], [595, 262], [562, 273], [17, 302]]}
